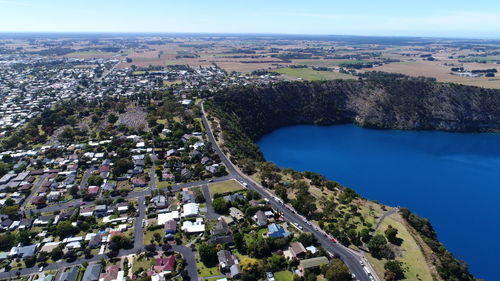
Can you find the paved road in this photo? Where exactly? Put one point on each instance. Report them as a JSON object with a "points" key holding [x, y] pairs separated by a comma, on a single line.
{"points": [[138, 225], [34, 190], [190, 258], [395, 210], [85, 178], [152, 174], [351, 260], [131, 195], [211, 214]]}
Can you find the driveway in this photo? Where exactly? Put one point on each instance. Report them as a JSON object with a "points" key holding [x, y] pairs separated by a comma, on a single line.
{"points": [[211, 214]]}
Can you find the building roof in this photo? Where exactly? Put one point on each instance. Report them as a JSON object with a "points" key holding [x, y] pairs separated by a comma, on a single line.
{"points": [[165, 264], [193, 227], [226, 239], [69, 275], [190, 210], [92, 273], [277, 231], [164, 217], [296, 248], [314, 262], [226, 258], [221, 227], [110, 274]]}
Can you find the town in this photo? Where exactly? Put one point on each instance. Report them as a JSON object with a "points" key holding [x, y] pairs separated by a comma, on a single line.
{"points": [[112, 167], [114, 190]]}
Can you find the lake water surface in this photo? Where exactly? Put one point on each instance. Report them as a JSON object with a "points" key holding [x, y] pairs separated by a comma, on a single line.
{"points": [[451, 178]]}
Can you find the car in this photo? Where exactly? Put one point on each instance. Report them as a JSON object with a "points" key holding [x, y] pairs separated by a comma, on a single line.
{"points": [[333, 240], [362, 263], [210, 180], [40, 269]]}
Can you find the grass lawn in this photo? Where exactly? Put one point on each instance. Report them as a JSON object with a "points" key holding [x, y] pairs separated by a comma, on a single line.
{"points": [[224, 186], [148, 235], [144, 263], [163, 184], [170, 83], [311, 75], [283, 276], [204, 271], [412, 255]]}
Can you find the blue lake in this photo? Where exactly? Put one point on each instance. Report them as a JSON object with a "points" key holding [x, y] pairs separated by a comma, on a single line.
{"points": [[451, 178]]}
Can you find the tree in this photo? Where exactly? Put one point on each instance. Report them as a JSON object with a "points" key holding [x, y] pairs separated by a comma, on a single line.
{"points": [[30, 261], [249, 264], [395, 267], [65, 228], [276, 262], [239, 242], [338, 271], [7, 241], [208, 253], [220, 205], [10, 211], [112, 118], [364, 234], [307, 239], [95, 180], [56, 253], [122, 166], [74, 191], [377, 245], [391, 233]]}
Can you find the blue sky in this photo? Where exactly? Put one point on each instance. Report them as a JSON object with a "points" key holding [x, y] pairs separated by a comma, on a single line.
{"points": [[448, 18]]}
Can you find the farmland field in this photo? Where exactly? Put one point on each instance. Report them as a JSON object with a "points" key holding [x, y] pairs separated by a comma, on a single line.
{"points": [[312, 75]]}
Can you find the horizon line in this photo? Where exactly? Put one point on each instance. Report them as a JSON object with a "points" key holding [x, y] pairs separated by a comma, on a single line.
{"points": [[252, 33]]}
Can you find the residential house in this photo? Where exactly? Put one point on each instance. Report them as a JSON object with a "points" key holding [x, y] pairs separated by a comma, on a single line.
{"points": [[160, 202], [100, 211], [122, 207], [170, 228], [139, 182], [260, 218], [25, 224], [221, 228], [236, 214], [235, 271], [164, 217], [186, 173], [43, 220], [277, 231], [226, 239], [69, 275], [226, 259], [24, 251], [110, 274], [190, 210], [86, 211], [193, 227], [166, 265], [92, 272], [297, 250], [311, 263]]}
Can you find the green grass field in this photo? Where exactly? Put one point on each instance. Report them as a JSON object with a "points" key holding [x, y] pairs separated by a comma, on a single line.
{"points": [[204, 271], [283, 276], [313, 75], [412, 256], [224, 186]]}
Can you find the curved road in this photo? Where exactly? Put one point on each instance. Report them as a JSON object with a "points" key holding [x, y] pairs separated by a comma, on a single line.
{"points": [[351, 259]]}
